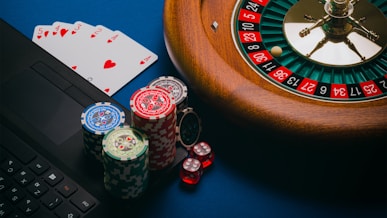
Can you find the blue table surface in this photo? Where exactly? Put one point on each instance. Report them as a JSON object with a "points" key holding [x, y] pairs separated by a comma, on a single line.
{"points": [[265, 175]]}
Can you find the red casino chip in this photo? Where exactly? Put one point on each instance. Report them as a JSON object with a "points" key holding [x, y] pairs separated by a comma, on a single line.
{"points": [[152, 103]]}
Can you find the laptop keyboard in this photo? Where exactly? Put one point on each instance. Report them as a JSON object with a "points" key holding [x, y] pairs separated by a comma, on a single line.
{"points": [[31, 187]]}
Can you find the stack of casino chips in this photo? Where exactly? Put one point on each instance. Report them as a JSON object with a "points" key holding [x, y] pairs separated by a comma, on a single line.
{"points": [[176, 87], [153, 110], [97, 120], [125, 161]]}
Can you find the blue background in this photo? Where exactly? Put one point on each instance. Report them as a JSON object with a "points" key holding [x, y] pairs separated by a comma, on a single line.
{"points": [[260, 173]]}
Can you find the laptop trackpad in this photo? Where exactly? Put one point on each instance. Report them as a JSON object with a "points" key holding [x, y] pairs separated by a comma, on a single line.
{"points": [[43, 105]]}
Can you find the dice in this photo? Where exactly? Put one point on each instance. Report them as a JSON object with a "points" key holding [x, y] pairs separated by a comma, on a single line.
{"points": [[203, 152], [191, 171]]}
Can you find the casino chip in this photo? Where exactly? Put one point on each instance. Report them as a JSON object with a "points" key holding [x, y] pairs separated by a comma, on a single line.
{"points": [[125, 160], [97, 120], [153, 110], [177, 87], [188, 127]]}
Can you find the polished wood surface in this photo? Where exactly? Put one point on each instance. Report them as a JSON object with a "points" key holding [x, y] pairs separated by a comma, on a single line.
{"points": [[211, 64]]}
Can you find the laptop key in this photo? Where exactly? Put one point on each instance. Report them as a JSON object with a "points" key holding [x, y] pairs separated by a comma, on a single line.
{"points": [[24, 177], [37, 189], [53, 177], [5, 207], [66, 211], [51, 200], [5, 182], [39, 166], [66, 188], [10, 166], [28, 205], [82, 201], [15, 194]]}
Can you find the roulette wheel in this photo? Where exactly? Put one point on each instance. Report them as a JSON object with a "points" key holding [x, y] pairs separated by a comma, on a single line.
{"points": [[309, 67]]}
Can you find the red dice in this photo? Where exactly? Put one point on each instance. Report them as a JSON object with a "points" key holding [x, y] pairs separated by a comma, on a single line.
{"points": [[203, 152], [191, 171]]}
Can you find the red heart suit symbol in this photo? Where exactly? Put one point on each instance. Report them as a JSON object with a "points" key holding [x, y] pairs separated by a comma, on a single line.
{"points": [[63, 32], [109, 64]]}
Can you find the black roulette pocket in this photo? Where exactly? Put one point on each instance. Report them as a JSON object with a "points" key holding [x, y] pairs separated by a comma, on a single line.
{"points": [[302, 66]]}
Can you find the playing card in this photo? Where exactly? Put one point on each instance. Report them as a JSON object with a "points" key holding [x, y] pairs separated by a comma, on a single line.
{"points": [[84, 41], [41, 33], [118, 61], [69, 42], [53, 39], [107, 59], [77, 46], [60, 29]]}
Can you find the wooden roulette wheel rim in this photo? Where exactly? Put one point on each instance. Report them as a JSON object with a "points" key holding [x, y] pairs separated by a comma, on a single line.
{"points": [[208, 60]]}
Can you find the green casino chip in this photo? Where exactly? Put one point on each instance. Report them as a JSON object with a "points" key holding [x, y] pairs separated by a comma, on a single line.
{"points": [[125, 143]]}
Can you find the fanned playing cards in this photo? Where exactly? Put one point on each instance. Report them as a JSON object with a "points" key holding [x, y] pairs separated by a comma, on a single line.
{"points": [[108, 59]]}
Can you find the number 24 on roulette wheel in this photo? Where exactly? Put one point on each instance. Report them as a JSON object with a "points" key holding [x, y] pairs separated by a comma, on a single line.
{"points": [[315, 67]]}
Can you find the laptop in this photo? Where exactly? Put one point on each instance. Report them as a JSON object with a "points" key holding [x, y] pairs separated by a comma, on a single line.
{"points": [[43, 170]]}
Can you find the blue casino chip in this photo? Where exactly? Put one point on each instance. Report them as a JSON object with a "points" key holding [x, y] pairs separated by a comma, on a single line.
{"points": [[101, 117]]}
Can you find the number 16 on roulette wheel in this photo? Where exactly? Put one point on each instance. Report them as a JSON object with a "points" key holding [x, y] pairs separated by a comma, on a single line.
{"points": [[313, 67]]}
